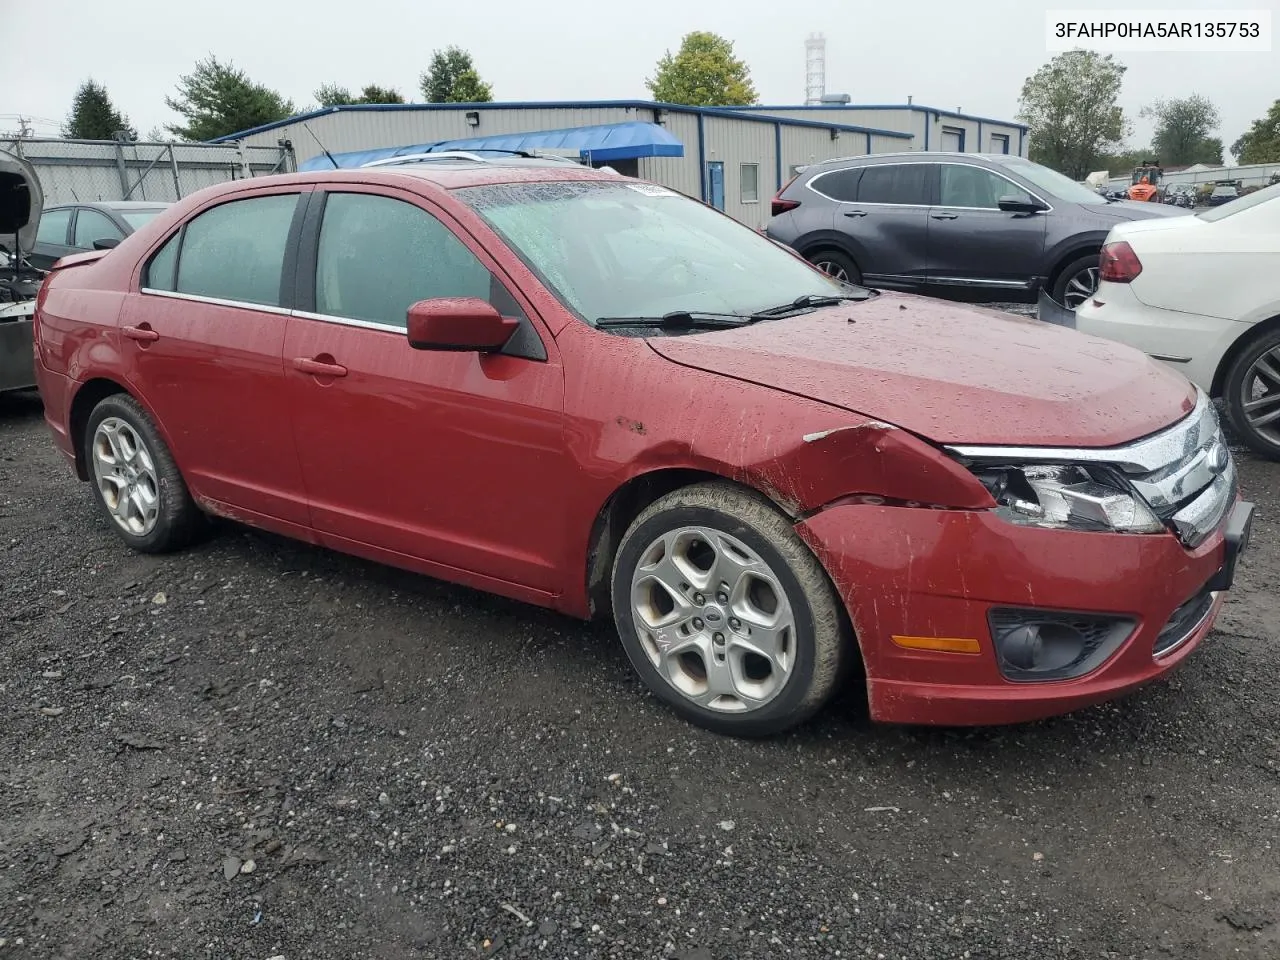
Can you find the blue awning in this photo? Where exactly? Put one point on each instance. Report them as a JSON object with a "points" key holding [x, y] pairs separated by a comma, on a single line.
{"points": [[601, 143]]}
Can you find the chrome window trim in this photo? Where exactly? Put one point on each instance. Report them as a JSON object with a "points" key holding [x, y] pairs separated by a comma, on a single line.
{"points": [[809, 184], [215, 301], [350, 322]]}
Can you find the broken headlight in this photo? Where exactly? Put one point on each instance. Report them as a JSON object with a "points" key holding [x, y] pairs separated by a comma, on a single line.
{"points": [[1070, 497]]}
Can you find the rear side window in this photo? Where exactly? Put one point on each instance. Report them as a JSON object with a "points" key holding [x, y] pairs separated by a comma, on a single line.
{"points": [[378, 256], [906, 183], [841, 185], [233, 252], [53, 227]]}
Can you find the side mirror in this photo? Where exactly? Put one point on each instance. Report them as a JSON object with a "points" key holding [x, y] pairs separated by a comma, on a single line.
{"points": [[1015, 204], [106, 243], [459, 324]]}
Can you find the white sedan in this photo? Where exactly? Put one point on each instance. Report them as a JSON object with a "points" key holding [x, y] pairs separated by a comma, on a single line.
{"points": [[1202, 293]]}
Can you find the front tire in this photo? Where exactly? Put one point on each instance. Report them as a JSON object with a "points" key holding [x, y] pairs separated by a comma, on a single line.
{"points": [[1077, 282], [1251, 391], [726, 614], [135, 480]]}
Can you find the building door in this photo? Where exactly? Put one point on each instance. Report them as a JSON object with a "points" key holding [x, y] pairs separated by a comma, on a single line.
{"points": [[715, 183]]}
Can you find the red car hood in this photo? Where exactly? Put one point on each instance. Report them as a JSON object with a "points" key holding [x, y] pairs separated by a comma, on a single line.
{"points": [[952, 373]]}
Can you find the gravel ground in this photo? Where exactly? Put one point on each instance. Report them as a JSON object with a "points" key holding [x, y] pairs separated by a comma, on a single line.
{"points": [[258, 749]]}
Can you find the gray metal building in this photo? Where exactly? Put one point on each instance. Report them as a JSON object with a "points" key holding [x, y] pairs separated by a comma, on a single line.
{"points": [[732, 158]]}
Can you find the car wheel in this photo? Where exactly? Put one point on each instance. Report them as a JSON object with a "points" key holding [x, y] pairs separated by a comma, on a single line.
{"points": [[837, 265], [1077, 282], [1251, 390], [725, 612], [135, 480]]}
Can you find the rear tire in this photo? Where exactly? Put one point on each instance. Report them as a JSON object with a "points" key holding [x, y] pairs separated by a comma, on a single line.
{"points": [[837, 265], [1245, 384], [135, 480], [726, 614], [1077, 282]]}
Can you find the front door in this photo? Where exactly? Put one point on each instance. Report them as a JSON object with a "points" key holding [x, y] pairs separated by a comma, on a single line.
{"points": [[452, 458], [203, 341], [715, 183], [975, 244]]}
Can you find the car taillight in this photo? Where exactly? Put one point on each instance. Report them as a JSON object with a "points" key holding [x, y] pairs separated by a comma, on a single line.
{"points": [[1118, 262], [782, 206]]}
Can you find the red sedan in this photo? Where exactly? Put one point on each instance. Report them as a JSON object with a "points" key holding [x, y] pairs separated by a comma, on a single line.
{"points": [[593, 394]]}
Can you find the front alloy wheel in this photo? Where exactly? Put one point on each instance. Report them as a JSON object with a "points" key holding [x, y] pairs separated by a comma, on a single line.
{"points": [[726, 614]]}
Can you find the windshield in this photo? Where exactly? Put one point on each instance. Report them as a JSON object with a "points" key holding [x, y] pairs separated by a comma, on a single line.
{"points": [[136, 219], [1265, 195], [621, 248], [1052, 182]]}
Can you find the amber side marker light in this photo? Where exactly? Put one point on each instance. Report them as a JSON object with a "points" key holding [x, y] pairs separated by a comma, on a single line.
{"points": [[939, 644]]}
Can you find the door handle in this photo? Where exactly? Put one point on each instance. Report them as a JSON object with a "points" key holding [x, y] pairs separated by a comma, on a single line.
{"points": [[143, 334], [319, 368], [855, 213], [945, 216]]}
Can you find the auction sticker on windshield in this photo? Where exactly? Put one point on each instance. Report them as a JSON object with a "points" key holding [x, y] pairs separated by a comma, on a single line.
{"points": [[652, 190]]}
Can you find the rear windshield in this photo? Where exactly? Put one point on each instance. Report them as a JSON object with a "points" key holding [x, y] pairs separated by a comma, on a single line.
{"points": [[1266, 195], [136, 219], [622, 248]]}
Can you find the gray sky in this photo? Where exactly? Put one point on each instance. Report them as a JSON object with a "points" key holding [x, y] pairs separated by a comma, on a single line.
{"points": [[972, 55]]}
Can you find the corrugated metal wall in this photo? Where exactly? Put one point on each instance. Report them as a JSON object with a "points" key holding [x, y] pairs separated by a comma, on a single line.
{"points": [[678, 173], [737, 143], [86, 170], [976, 133]]}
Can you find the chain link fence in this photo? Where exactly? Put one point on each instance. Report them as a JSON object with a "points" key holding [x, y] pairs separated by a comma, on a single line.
{"points": [[88, 170]]}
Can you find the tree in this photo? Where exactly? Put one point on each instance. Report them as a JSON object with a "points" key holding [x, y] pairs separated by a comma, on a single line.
{"points": [[703, 73], [94, 117], [218, 99], [452, 78], [1261, 142], [333, 95], [1182, 131], [1071, 106]]}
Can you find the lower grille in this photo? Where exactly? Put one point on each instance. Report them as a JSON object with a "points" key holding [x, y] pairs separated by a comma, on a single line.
{"points": [[1184, 622]]}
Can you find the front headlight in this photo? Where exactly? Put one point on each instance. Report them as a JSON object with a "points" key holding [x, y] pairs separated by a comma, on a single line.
{"points": [[1071, 497]]}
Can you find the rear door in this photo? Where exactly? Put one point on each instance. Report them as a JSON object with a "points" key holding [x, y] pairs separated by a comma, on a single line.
{"points": [[972, 242], [888, 222], [204, 339]]}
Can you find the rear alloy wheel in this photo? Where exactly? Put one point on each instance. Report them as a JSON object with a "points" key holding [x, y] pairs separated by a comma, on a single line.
{"points": [[135, 480], [837, 266], [1252, 393], [725, 612], [1077, 283]]}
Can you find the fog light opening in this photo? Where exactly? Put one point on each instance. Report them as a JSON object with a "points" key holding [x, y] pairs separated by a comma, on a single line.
{"points": [[1047, 647]]}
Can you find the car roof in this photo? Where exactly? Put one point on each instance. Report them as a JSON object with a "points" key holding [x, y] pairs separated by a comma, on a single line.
{"points": [[921, 156]]}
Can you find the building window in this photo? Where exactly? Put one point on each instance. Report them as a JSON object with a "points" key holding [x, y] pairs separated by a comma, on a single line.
{"points": [[751, 183], [999, 143], [953, 139]]}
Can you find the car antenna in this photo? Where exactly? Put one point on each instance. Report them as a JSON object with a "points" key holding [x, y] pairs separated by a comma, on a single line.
{"points": [[321, 146]]}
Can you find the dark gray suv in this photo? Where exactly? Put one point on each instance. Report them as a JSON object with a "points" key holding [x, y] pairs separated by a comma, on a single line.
{"points": [[942, 223]]}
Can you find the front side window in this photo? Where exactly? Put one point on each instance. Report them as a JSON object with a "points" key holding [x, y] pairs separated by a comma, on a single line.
{"points": [[966, 186], [904, 183], [378, 256], [53, 227], [622, 249], [236, 251], [93, 225]]}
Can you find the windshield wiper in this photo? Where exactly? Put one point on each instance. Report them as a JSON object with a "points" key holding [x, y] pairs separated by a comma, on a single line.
{"points": [[683, 320], [814, 300]]}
